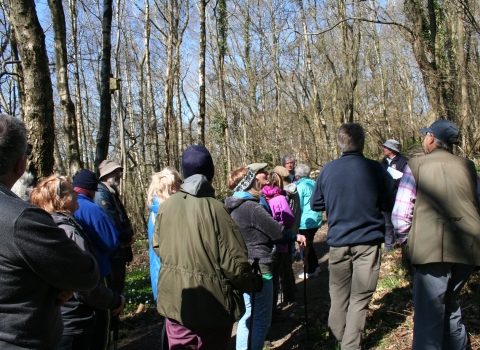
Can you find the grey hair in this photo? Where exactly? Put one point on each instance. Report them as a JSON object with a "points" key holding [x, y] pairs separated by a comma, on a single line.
{"points": [[302, 170], [351, 138], [13, 142], [444, 145], [287, 157], [23, 186]]}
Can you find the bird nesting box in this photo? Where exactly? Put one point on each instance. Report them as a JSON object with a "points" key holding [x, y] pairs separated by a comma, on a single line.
{"points": [[114, 84]]}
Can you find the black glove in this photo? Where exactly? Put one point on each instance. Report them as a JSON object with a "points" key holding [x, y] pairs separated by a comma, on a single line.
{"points": [[259, 283]]}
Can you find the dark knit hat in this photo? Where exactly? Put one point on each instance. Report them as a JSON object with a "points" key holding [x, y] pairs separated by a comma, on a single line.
{"points": [[197, 160], [86, 179]]}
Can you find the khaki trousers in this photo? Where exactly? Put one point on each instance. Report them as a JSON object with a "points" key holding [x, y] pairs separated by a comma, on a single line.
{"points": [[353, 279]]}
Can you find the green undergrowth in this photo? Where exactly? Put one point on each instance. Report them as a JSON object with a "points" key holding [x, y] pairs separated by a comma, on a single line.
{"points": [[390, 316], [138, 289]]}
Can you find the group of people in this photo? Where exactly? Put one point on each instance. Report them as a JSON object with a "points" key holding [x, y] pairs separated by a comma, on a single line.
{"points": [[63, 253], [206, 250], [429, 206], [433, 205]]}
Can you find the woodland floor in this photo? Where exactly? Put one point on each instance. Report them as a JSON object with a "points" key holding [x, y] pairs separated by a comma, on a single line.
{"points": [[389, 320]]}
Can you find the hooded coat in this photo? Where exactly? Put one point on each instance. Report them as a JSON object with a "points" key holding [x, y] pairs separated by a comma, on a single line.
{"points": [[259, 229], [204, 259], [310, 218]]}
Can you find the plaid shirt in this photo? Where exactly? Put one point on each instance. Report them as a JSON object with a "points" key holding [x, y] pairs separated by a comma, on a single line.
{"points": [[405, 201]]}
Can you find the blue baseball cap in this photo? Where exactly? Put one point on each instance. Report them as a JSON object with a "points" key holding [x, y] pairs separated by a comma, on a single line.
{"points": [[443, 130]]}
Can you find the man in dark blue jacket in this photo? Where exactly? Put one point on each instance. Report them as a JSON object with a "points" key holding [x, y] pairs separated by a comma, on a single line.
{"points": [[353, 190]]}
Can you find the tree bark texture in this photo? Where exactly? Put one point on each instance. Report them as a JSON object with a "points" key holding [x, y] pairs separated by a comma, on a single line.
{"points": [[201, 75], [75, 163], [153, 130], [38, 98], [105, 121]]}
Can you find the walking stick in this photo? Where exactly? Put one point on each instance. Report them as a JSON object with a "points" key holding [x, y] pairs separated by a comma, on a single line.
{"points": [[305, 266], [164, 337], [115, 324], [256, 271]]}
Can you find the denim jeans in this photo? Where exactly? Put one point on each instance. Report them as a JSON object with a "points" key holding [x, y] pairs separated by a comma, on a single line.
{"points": [[389, 234], [261, 318]]}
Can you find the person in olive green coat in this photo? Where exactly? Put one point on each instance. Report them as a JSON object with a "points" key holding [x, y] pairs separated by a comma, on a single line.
{"points": [[204, 261]]}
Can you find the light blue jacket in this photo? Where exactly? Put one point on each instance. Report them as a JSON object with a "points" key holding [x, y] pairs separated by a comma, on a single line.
{"points": [[309, 218], [154, 259]]}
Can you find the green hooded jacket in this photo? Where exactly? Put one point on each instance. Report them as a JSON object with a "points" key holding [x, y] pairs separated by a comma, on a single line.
{"points": [[204, 259]]}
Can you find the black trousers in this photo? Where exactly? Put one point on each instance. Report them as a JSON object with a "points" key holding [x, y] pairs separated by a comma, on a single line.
{"points": [[100, 337], [75, 342], [309, 251]]}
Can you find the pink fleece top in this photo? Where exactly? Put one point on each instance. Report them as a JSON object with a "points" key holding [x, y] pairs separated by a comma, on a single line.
{"points": [[281, 211]]}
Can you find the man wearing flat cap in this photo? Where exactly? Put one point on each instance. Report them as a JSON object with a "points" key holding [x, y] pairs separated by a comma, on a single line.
{"points": [[437, 208], [393, 160], [108, 198]]}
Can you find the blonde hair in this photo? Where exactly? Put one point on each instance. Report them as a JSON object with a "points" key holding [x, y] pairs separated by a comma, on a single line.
{"points": [[53, 194], [275, 180], [161, 184]]}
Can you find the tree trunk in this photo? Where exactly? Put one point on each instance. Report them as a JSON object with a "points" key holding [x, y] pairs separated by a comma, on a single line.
{"points": [[19, 73], [76, 74], [431, 77], [316, 95], [177, 122], [105, 121], [38, 98], [222, 28], [153, 130], [68, 108], [201, 74]]}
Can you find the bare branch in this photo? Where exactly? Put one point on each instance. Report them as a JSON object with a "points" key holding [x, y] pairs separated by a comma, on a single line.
{"points": [[469, 15], [359, 19]]}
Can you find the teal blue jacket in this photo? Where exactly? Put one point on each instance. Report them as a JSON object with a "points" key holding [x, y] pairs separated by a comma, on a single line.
{"points": [[309, 218]]}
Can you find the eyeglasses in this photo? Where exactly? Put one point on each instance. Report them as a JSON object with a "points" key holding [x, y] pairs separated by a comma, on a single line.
{"points": [[29, 149]]}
